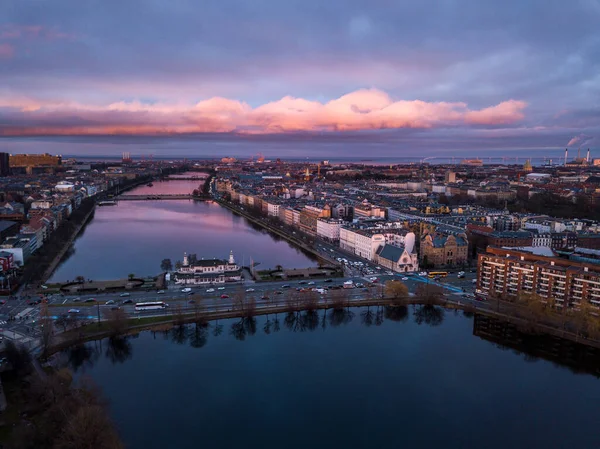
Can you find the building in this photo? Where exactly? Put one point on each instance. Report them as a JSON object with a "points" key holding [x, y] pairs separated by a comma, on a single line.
{"points": [[400, 259], [208, 271], [438, 249], [4, 164], [34, 160], [6, 261], [450, 177], [21, 247], [509, 273], [329, 229], [8, 229]]}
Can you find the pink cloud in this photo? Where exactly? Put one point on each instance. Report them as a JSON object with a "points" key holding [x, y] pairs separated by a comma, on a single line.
{"points": [[360, 110], [14, 31], [504, 113], [6, 51]]}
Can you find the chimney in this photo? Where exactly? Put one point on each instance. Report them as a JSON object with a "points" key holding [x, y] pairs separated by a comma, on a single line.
{"points": [[588, 156], [566, 155]]}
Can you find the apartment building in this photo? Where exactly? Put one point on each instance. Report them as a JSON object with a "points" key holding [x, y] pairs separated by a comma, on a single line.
{"points": [[508, 273]]}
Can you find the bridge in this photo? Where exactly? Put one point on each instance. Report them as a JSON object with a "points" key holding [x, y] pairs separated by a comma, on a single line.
{"points": [[162, 196]]}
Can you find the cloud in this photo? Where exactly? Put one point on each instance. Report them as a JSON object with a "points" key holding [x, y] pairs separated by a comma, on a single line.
{"points": [[365, 109], [6, 51]]}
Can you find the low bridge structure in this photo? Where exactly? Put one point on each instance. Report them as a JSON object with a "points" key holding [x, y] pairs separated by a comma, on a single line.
{"points": [[162, 196]]}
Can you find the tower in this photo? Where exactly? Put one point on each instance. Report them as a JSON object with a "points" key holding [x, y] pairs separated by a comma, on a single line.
{"points": [[588, 156], [4, 164], [566, 156], [186, 261], [231, 259]]}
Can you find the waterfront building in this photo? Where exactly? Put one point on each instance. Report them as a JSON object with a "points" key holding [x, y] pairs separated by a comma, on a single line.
{"points": [[400, 259], [208, 271], [329, 229], [508, 273], [440, 249]]}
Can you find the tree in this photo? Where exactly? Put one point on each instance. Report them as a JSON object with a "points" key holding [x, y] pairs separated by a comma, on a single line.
{"points": [[18, 357], [117, 321], [166, 265], [178, 265], [178, 317], [80, 279], [429, 294], [131, 276], [396, 290], [47, 329]]}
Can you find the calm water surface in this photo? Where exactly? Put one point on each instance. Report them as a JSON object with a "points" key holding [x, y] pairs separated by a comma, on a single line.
{"points": [[134, 236], [347, 380]]}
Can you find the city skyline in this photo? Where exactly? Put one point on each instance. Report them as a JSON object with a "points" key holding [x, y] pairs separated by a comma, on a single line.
{"points": [[387, 77]]}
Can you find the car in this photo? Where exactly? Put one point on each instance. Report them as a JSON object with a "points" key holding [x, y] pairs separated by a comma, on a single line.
{"points": [[221, 288], [160, 292], [311, 283], [285, 286], [3, 301], [373, 279], [123, 295], [45, 287], [279, 292], [73, 311], [115, 308], [328, 280], [186, 290], [90, 300], [248, 290], [423, 273], [224, 296], [210, 290], [128, 301], [265, 297], [302, 282], [405, 278], [109, 302]]}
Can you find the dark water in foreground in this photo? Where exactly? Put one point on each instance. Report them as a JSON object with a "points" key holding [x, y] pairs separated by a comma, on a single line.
{"points": [[357, 379]]}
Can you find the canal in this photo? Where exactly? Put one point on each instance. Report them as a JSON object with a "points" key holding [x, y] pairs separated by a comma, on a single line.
{"points": [[383, 377], [135, 236]]}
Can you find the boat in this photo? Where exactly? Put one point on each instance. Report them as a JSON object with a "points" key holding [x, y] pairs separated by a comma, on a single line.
{"points": [[107, 203], [150, 184]]}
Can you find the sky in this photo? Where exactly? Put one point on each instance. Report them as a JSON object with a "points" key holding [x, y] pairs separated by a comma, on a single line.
{"points": [[376, 77]]}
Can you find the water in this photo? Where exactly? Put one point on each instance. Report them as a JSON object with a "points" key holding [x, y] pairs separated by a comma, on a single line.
{"points": [[134, 237], [341, 381]]}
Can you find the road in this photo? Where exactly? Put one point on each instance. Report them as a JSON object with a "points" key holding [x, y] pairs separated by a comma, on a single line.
{"points": [[90, 306]]}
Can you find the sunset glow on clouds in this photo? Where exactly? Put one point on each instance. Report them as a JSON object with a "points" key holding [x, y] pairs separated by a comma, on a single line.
{"points": [[457, 73], [360, 110]]}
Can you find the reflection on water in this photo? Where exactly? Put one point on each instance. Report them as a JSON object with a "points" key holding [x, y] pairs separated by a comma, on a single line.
{"points": [[505, 335], [356, 377], [578, 357]]}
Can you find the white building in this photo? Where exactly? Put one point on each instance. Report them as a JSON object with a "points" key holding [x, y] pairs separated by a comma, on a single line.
{"points": [[329, 229], [273, 209], [208, 271]]}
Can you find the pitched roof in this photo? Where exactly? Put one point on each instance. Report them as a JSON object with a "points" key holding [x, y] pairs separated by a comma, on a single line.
{"points": [[390, 252]]}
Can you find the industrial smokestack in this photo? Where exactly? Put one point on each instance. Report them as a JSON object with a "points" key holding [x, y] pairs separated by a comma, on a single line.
{"points": [[588, 156], [566, 155]]}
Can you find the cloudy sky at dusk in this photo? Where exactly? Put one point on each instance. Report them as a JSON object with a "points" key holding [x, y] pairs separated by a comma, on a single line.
{"points": [[447, 75]]}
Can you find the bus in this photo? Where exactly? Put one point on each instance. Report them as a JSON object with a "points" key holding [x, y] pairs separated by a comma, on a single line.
{"points": [[434, 274], [150, 306]]}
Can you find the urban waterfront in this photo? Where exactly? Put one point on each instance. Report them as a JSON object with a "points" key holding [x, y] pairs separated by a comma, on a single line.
{"points": [[134, 236], [379, 377]]}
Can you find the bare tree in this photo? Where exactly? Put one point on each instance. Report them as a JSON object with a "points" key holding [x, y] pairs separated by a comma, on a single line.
{"points": [[117, 321], [47, 328], [396, 290], [178, 317]]}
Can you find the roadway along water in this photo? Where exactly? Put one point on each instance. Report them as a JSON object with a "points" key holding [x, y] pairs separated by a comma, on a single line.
{"points": [[134, 236], [377, 378]]}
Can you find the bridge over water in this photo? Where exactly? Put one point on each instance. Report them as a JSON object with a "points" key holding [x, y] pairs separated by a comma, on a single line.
{"points": [[162, 196]]}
